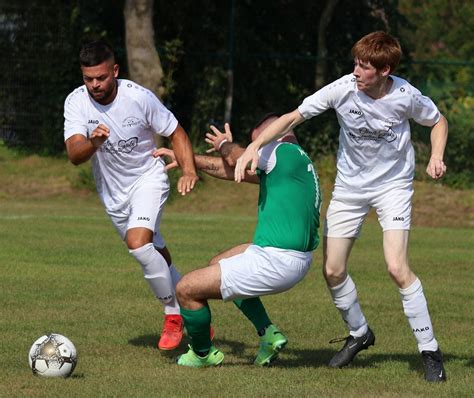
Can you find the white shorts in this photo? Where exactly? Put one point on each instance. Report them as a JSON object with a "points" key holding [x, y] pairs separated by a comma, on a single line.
{"points": [[262, 270], [348, 209], [143, 208]]}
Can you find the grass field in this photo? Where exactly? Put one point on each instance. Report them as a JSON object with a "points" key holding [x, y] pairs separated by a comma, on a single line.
{"points": [[64, 269]]}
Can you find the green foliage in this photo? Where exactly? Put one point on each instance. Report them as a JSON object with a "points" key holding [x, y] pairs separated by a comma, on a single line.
{"points": [[271, 52]]}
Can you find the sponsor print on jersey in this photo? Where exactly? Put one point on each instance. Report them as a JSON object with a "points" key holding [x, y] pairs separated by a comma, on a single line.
{"points": [[131, 121], [123, 146], [364, 134]]}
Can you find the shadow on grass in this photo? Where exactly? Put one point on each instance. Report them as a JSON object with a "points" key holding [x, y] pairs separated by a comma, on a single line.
{"points": [[294, 358]]}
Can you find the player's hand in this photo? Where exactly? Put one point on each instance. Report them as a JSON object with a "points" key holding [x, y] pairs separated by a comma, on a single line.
{"points": [[218, 138], [436, 168], [250, 156], [166, 153], [187, 182], [100, 134]]}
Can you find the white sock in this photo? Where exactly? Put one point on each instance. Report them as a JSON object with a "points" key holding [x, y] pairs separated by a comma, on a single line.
{"points": [[344, 296], [155, 271], [416, 311], [172, 308]]}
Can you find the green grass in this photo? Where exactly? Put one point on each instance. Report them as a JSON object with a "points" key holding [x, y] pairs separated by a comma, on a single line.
{"points": [[63, 269]]}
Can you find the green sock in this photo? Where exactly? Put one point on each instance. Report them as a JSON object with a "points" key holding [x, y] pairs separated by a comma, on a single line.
{"points": [[198, 323], [254, 310]]}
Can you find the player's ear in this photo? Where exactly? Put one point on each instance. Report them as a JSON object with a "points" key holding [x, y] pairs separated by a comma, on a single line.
{"points": [[116, 70], [385, 71]]}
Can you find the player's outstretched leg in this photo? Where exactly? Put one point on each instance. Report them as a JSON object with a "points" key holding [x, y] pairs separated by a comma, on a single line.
{"points": [[191, 359], [271, 343], [352, 346]]}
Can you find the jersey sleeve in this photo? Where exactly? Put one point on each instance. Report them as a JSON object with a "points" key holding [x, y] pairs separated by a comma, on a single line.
{"points": [[74, 123], [322, 100], [160, 119], [423, 110], [267, 157]]}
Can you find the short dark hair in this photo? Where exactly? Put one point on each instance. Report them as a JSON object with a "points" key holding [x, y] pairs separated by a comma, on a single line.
{"points": [[263, 119], [95, 52]]}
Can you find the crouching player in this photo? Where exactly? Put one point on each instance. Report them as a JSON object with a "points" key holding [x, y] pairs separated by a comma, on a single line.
{"points": [[279, 256]]}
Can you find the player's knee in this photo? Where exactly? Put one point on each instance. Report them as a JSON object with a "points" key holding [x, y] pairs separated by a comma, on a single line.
{"points": [[399, 272], [183, 290], [333, 274], [135, 243]]}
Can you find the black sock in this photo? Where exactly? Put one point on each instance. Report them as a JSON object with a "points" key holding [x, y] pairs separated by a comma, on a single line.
{"points": [[201, 354], [261, 332]]}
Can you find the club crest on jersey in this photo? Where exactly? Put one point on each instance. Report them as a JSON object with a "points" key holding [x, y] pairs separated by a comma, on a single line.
{"points": [[131, 121]]}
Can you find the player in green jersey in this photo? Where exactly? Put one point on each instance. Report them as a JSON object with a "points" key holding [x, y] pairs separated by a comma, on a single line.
{"points": [[279, 256]]}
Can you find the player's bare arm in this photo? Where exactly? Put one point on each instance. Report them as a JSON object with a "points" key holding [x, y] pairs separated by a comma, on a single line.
{"points": [[211, 165], [275, 130], [80, 149], [439, 136], [184, 156]]}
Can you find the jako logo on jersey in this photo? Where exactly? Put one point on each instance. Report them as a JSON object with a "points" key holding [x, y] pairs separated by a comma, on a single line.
{"points": [[398, 218], [425, 329], [93, 121], [143, 218], [355, 112]]}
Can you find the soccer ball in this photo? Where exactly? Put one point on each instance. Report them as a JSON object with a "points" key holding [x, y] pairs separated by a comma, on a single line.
{"points": [[52, 356]]}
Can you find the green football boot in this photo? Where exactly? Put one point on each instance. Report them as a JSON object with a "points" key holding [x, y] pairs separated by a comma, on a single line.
{"points": [[191, 359], [271, 343]]}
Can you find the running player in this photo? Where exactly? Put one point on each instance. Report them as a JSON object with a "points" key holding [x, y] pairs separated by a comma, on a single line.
{"points": [[278, 258], [113, 122], [375, 168]]}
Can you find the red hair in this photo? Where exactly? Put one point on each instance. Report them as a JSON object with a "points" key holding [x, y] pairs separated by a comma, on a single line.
{"points": [[378, 48]]}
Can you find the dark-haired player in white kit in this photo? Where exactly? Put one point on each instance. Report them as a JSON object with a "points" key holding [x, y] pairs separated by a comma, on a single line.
{"points": [[375, 168], [113, 122]]}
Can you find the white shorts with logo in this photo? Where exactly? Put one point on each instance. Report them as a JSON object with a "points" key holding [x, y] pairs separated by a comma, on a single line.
{"points": [[144, 207], [262, 270], [348, 209]]}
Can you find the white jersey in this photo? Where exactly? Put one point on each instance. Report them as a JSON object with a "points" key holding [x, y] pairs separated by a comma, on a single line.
{"points": [[374, 139], [133, 118]]}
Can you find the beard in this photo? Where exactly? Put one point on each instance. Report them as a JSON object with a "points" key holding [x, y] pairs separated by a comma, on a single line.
{"points": [[104, 96]]}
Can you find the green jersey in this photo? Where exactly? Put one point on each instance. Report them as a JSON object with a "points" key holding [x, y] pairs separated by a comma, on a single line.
{"points": [[289, 200]]}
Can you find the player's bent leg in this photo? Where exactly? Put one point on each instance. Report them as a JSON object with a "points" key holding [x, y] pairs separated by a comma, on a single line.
{"points": [[192, 291], [344, 296], [335, 256]]}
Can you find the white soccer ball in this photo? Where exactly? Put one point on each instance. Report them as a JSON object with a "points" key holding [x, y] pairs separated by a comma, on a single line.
{"points": [[52, 355]]}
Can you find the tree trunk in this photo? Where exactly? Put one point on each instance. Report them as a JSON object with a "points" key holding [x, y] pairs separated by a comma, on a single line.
{"points": [[322, 61], [144, 65]]}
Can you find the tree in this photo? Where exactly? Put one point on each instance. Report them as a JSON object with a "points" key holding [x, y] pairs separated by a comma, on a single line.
{"points": [[144, 65]]}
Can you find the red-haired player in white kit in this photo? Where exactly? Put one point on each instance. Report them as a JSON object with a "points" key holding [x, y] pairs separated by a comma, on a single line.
{"points": [[375, 169]]}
